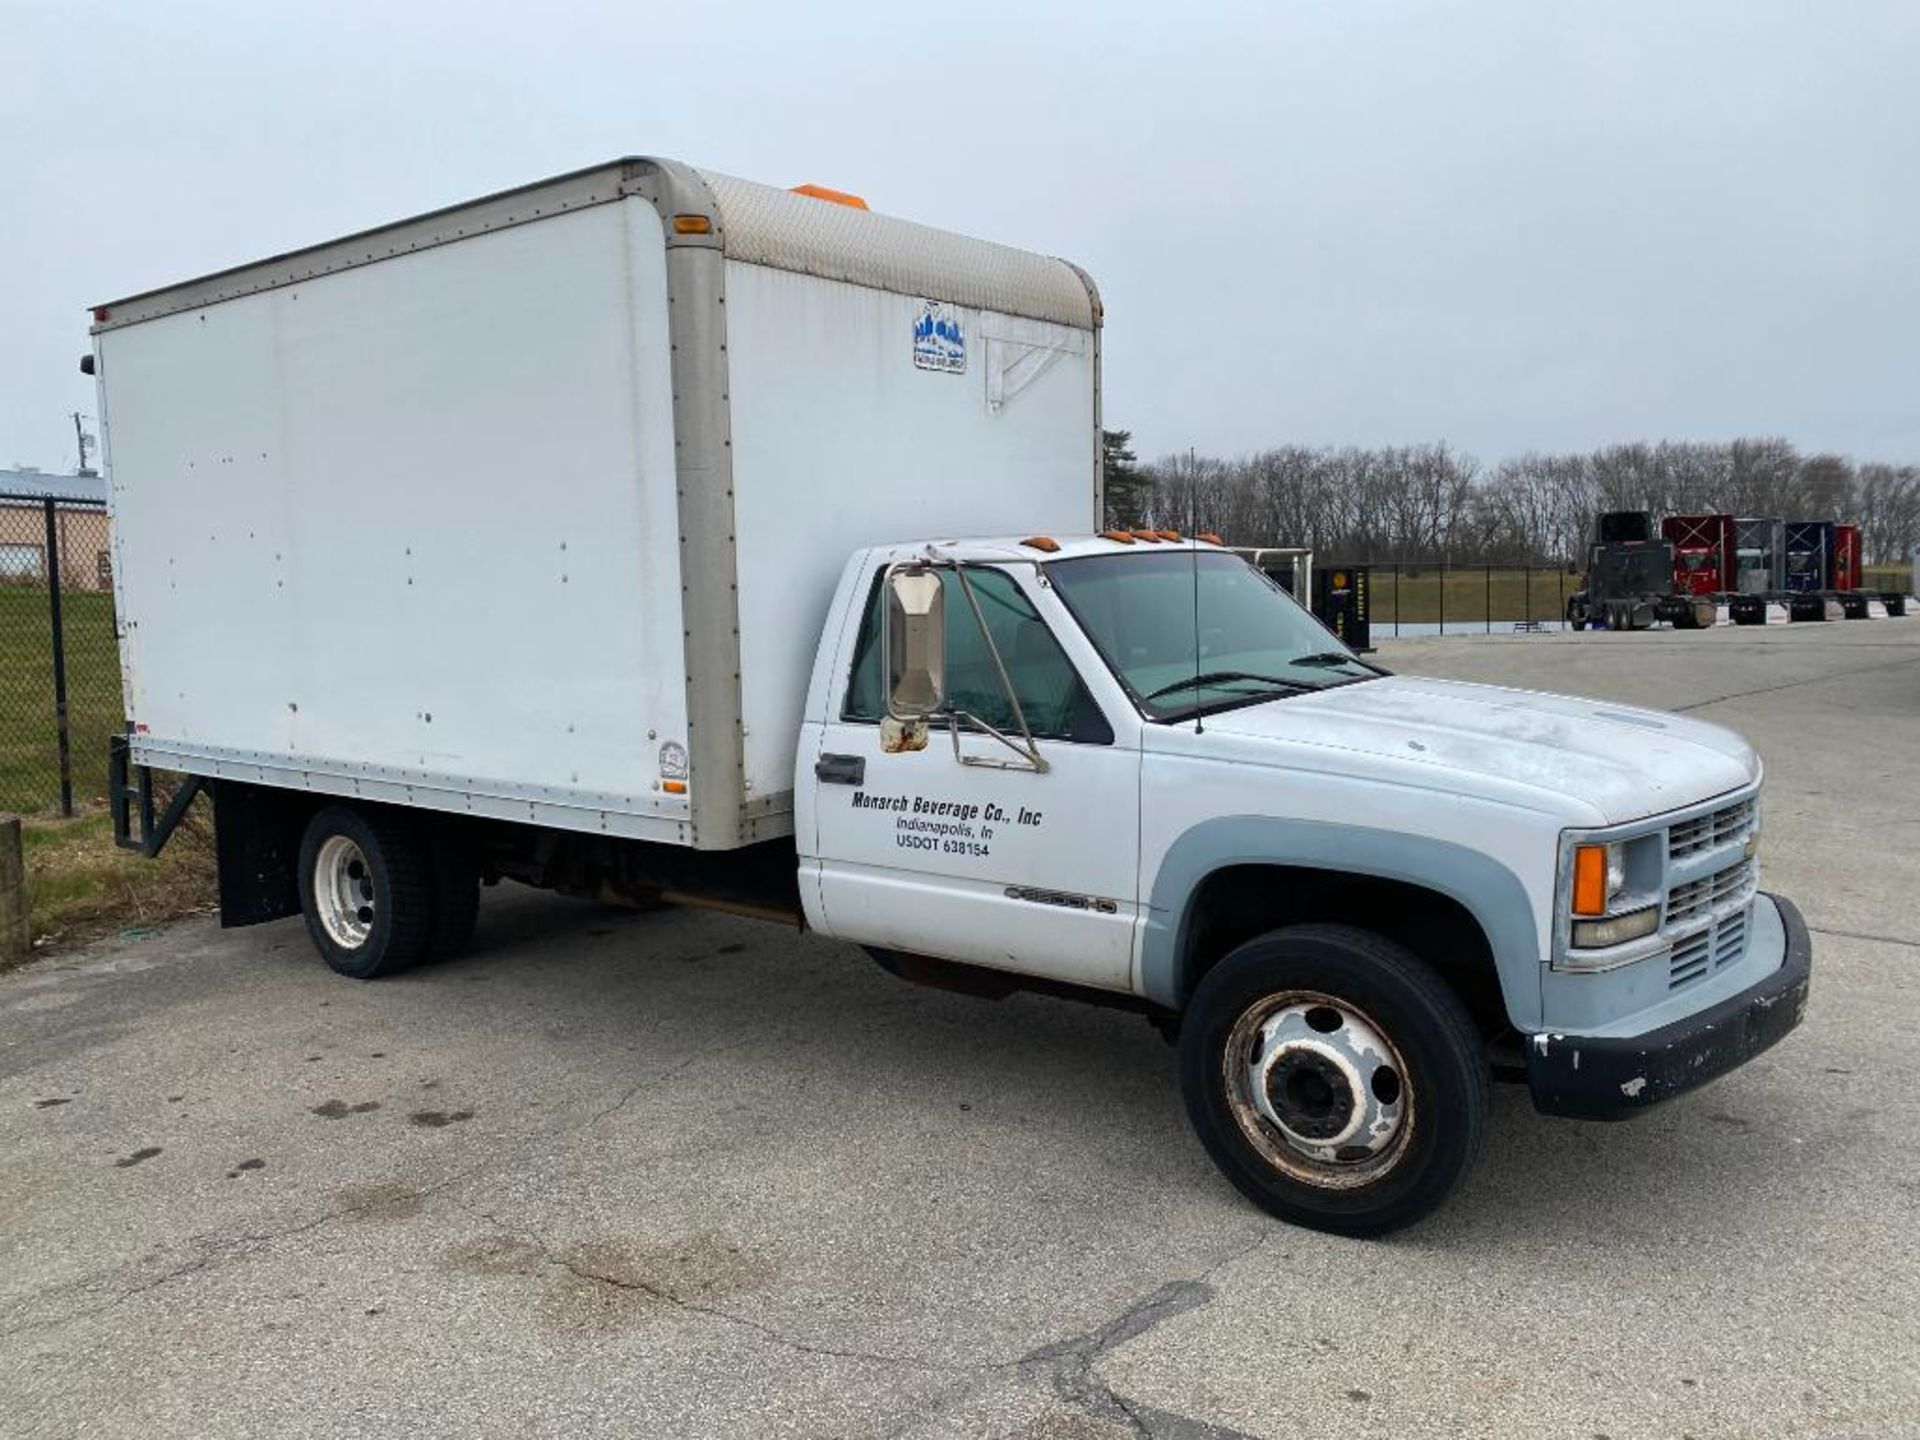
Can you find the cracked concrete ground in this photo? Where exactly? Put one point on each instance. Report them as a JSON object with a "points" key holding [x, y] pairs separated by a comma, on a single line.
{"points": [[682, 1175]]}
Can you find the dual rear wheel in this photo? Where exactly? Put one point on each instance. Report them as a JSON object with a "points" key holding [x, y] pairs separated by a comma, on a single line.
{"points": [[381, 892]]}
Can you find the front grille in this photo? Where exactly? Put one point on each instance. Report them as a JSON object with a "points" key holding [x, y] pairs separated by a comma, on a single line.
{"points": [[1709, 913], [1708, 950], [1697, 897], [1717, 827], [1692, 959]]}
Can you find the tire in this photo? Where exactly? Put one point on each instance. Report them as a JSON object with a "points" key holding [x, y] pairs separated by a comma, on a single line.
{"points": [[456, 895], [366, 890], [1388, 1152]]}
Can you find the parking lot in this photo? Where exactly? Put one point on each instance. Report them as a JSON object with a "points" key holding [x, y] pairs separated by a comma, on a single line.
{"points": [[680, 1174]]}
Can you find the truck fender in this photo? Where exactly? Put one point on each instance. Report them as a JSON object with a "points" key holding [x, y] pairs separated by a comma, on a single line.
{"points": [[1490, 892]]}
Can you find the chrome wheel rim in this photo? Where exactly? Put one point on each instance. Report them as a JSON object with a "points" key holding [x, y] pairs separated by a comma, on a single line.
{"points": [[343, 892], [1319, 1089]]}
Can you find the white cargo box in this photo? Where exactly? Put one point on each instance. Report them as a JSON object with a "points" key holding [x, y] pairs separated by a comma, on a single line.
{"points": [[511, 508]]}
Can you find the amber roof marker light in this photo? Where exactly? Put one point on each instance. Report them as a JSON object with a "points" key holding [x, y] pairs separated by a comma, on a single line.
{"points": [[1044, 543], [832, 197]]}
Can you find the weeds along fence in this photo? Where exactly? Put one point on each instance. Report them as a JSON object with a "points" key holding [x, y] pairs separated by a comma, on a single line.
{"points": [[59, 658]]}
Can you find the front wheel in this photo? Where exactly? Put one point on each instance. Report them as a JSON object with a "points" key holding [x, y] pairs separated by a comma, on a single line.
{"points": [[1334, 1078]]}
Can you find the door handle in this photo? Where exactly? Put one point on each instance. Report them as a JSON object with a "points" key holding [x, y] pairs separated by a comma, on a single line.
{"points": [[841, 769]]}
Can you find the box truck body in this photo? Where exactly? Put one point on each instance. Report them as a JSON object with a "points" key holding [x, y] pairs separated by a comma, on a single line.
{"points": [[517, 509]]}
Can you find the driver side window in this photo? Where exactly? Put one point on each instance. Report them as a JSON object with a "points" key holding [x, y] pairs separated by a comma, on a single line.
{"points": [[1055, 701]]}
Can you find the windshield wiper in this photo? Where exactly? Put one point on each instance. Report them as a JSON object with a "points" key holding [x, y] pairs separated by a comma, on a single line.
{"points": [[1224, 677], [1334, 657]]}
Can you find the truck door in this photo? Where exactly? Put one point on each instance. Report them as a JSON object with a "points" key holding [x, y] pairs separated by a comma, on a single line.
{"points": [[1004, 867]]}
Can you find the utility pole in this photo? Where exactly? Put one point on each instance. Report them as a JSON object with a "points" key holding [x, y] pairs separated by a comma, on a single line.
{"points": [[83, 441]]}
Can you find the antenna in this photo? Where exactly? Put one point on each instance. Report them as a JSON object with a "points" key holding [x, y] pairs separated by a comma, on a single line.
{"points": [[1193, 558]]}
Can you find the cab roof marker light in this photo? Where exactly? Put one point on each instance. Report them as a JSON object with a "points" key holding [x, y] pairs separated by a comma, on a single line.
{"points": [[1121, 536], [1152, 537], [1210, 538], [1044, 543], [1168, 534]]}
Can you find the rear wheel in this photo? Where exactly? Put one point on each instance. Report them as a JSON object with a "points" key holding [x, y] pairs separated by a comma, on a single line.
{"points": [[1334, 1078], [366, 889]]}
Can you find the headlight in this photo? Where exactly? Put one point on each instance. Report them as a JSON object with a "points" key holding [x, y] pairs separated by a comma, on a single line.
{"points": [[1615, 892], [1594, 934]]}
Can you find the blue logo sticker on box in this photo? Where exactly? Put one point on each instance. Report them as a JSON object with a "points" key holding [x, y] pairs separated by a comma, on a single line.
{"points": [[939, 343]]}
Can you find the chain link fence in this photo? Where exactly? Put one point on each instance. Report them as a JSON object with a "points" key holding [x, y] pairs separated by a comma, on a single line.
{"points": [[1409, 597], [59, 658], [60, 700]]}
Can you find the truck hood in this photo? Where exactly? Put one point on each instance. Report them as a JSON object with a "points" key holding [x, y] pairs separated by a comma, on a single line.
{"points": [[1625, 763]]}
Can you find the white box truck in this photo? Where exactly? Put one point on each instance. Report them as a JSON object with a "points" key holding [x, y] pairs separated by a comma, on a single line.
{"points": [[619, 535]]}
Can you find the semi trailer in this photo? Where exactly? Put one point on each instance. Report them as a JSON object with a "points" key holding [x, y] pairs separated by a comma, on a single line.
{"points": [[657, 536]]}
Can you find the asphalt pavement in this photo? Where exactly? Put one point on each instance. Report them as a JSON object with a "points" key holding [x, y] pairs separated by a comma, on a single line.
{"points": [[678, 1174]]}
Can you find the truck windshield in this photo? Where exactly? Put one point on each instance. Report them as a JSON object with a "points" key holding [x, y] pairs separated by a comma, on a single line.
{"points": [[1189, 634]]}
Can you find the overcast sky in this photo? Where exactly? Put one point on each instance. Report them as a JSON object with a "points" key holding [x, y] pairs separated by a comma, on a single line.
{"points": [[1507, 225]]}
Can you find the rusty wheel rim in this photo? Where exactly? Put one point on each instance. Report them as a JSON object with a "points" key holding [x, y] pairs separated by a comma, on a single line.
{"points": [[1319, 1089]]}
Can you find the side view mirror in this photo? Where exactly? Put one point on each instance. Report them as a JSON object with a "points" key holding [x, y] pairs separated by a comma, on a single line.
{"points": [[916, 636]]}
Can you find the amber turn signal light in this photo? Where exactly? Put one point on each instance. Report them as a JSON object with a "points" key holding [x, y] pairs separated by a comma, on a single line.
{"points": [[1590, 880]]}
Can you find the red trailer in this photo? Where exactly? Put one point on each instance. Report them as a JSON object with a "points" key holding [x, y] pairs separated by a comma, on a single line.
{"points": [[1704, 553]]}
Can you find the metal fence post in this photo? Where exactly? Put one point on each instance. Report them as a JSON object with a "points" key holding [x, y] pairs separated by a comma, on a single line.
{"points": [[1489, 599], [1561, 571], [1528, 602], [1396, 599], [1443, 597], [59, 659]]}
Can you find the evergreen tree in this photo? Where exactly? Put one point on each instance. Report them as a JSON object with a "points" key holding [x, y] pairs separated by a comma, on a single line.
{"points": [[1128, 487]]}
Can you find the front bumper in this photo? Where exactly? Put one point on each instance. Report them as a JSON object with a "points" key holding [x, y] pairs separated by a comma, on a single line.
{"points": [[1612, 1077]]}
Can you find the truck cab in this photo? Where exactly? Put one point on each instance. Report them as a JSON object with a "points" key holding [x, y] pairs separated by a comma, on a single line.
{"points": [[1130, 765]]}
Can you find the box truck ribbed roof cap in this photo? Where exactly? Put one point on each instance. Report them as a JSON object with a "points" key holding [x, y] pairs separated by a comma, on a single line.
{"points": [[764, 225], [759, 224]]}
